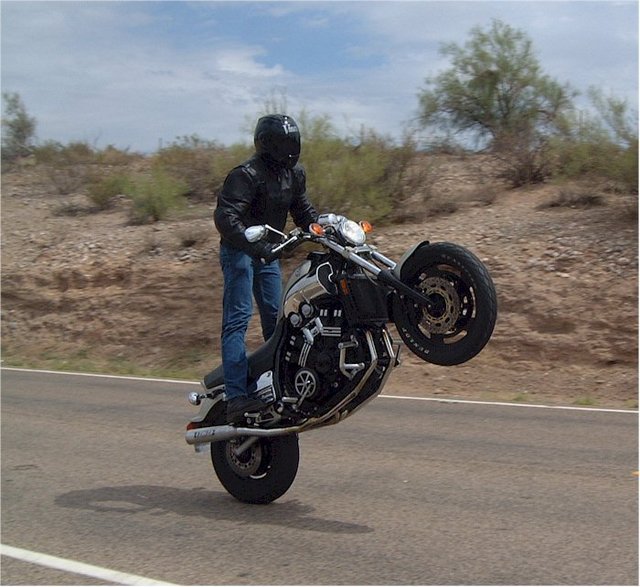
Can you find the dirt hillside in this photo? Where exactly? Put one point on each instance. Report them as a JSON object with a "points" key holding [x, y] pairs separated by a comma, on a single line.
{"points": [[86, 290]]}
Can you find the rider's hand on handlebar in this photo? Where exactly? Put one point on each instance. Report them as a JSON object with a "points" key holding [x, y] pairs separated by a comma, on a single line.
{"points": [[264, 251]]}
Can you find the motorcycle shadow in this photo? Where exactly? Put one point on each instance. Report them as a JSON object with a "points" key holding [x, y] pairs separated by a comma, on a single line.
{"points": [[158, 500]]}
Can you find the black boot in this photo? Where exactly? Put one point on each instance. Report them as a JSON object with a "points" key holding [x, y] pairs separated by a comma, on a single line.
{"points": [[239, 406]]}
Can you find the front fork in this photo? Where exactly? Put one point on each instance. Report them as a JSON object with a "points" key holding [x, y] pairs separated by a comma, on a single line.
{"points": [[386, 276]]}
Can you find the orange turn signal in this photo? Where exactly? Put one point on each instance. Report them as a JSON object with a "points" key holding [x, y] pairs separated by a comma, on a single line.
{"points": [[366, 226], [316, 229]]}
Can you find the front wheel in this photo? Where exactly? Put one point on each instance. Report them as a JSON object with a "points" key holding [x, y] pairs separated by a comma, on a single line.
{"points": [[463, 309], [259, 474]]}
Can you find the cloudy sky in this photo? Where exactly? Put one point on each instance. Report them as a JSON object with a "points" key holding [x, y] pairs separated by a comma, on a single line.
{"points": [[134, 73]]}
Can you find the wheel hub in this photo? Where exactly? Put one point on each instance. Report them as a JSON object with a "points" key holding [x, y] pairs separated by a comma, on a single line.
{"points": [[248, 462], [445, 310]]}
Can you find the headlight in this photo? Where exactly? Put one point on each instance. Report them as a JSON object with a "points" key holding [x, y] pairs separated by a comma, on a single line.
{"points": [[352, 232]]}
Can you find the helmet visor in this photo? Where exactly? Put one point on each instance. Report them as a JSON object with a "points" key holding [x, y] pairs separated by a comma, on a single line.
{"points": [[285, 150]]}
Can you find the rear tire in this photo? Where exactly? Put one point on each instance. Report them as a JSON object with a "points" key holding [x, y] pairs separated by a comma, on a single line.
{"points": [[262, 473], [464, 311]]}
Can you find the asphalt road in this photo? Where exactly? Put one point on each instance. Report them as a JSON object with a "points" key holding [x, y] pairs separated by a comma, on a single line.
{"points": [[96, 470]]}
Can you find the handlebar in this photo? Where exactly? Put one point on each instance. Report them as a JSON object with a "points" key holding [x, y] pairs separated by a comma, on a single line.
{"points": [[353, 254], [325, 222]]}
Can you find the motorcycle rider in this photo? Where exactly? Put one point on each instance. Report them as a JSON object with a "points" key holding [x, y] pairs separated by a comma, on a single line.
{"points": [[263, 190]]}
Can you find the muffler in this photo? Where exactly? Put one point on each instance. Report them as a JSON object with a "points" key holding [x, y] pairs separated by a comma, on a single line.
{"points": [[226, 432], [335, 415]]}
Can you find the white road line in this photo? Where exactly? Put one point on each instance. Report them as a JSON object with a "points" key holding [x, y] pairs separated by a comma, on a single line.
{"points": [[510, 405], [70, 566], [402, 397], [77, 374]]}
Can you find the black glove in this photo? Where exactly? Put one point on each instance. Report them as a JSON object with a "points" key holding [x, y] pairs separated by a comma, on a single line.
{"points": [[264, 252]]}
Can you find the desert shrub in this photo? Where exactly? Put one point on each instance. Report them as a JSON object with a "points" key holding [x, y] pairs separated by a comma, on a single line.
{"points": [[483, 195], [102, 190], [359, 176], [524, 161], [190, 235], [574, 197], [592, 154], [154, 196], [113, 157], [202, 165], [72, 209], [441, 207], [598, 159], [67, 167], [226, 159], [57, 154], [77, 166], [47, 153], [602, 144]]}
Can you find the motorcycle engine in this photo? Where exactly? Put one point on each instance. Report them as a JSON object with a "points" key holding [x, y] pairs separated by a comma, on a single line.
{"points": [[321, 357]]}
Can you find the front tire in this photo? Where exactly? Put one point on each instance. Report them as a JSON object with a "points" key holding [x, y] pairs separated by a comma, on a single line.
{"points": [[464, 304], [260, 474]]}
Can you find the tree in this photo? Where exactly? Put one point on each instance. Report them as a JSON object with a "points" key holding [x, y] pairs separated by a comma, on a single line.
{"points": [[495, 92], [18, 128]]}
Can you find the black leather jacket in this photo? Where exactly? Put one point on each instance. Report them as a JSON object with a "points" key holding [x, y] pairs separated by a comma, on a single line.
{"points": [[253, 193]]}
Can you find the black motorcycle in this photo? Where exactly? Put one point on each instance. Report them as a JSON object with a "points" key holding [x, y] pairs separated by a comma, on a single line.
{"points": [[331, 352]]}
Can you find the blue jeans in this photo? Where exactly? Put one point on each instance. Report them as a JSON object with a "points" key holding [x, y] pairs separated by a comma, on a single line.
{"points": [[244, 277]]}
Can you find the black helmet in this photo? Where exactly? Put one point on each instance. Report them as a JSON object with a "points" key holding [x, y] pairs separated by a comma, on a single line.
{"points": [[277, 140]]}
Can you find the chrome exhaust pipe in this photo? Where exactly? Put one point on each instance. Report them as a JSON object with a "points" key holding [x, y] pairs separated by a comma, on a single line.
{"points": [[226, 432]]}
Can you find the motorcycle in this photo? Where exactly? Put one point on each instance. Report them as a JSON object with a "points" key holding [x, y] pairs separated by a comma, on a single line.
{"points": [[332, 352]]}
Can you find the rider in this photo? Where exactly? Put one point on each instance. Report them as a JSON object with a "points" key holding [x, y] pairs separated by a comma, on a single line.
{"points": [[263, 190]]}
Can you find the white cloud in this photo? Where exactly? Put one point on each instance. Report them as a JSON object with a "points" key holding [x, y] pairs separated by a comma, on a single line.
{"points": [[242, 62], [131, 73], [109, 83]]}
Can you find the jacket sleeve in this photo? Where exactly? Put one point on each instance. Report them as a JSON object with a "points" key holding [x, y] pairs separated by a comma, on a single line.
{"points": [[302, 211], [234, 202]]}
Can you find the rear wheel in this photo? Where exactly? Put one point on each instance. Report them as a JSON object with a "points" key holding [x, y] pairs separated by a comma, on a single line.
{"points": [[463, 309], [259, 474]]}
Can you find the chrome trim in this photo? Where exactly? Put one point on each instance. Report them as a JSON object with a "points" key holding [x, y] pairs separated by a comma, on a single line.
{"points": [[384, 260], [304, 355], [351, 255], [349, 370], [226, 432], [303, 290], [393, 357]]}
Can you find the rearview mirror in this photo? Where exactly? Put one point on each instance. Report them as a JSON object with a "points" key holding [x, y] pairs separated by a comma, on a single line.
{"points": [[255, 233]]}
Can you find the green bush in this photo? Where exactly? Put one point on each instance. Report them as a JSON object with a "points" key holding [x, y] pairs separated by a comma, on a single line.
{"points": [[68, 167], [574, 197], [200, 164], [596, 157], [224, 160], [56, 154], [358, 177], [112, 156], [599, 145], [102, 190], [154, 196]]}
